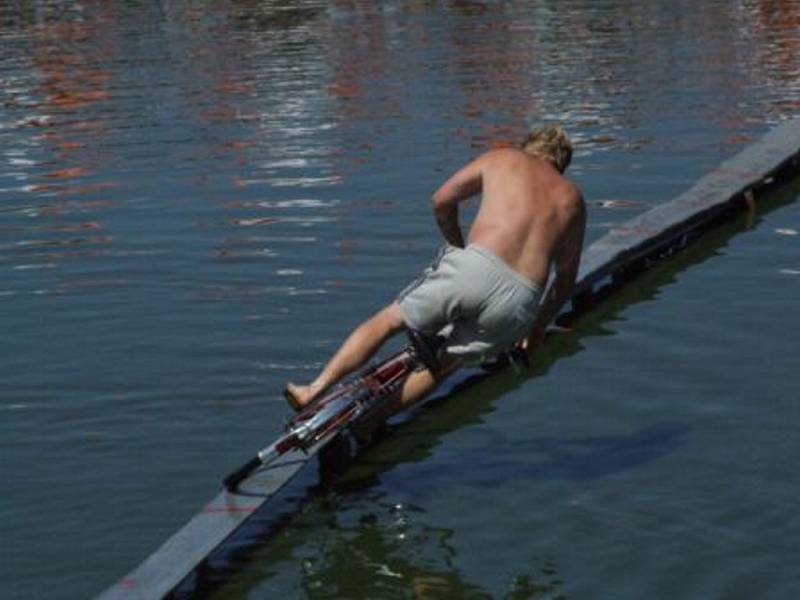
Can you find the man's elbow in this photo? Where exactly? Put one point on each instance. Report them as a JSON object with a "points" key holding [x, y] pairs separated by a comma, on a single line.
{"points": [[443, 205], [439, 199]]}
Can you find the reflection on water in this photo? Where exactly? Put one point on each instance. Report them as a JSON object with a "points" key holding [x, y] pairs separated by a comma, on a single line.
{"points": [[197, 196], [392, 552], [367, 547]]}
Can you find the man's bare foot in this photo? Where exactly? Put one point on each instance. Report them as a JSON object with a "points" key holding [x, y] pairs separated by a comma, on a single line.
{"points": [[299, 396]]}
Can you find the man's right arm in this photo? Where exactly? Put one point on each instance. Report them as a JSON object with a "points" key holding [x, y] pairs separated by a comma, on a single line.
{"points": [[464, 183]]}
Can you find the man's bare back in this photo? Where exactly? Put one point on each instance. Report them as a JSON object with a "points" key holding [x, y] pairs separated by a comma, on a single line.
{"points": [[530, 215]]}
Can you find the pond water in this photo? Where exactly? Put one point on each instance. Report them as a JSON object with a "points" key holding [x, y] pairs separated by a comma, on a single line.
{"points": [[199, 199]]}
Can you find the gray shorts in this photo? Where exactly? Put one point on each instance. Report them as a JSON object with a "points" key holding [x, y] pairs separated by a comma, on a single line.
{"points": [[483, 305]]}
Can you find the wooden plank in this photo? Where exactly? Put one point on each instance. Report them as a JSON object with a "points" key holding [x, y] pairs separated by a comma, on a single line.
{"points": [[196, 541]]}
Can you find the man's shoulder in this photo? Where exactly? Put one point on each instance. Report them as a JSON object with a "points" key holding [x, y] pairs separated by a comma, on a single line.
{"points": [[506, 152], [569, 198], [572, 193], [499, 160], [502, 154]]}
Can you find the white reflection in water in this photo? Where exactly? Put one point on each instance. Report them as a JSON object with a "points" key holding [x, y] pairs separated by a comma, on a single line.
{"points": [[302, 182], [34, 266], [290, 366], [296, 203], [306, 221]]}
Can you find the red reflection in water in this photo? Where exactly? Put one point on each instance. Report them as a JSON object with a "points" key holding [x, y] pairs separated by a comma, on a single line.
{"points": [[361, 62], [71, 190], [74, 227], [68, 173], [779, 22], [66, 52]]}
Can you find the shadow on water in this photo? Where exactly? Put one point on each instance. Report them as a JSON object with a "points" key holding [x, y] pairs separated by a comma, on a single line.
{"points": [[571, 458]]}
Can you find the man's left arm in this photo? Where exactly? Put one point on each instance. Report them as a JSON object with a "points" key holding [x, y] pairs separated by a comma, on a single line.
{"points": [[464, 183], [567, 263]]}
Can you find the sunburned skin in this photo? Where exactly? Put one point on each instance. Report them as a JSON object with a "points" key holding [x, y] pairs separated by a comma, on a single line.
{"points": [[530, 215]]}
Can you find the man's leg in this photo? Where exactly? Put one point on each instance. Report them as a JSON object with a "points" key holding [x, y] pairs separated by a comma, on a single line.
{"points": [[416, 387], [356, 350], [421, 383]]}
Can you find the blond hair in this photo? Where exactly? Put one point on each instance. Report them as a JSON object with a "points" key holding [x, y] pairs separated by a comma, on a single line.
{"points": [[550, 143]]}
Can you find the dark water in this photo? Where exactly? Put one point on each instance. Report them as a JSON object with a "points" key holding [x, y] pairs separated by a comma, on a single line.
{"points": [[199, 199]]}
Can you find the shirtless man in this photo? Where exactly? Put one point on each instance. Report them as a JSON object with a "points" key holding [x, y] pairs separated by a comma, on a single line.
{"points": [[531, 219]]}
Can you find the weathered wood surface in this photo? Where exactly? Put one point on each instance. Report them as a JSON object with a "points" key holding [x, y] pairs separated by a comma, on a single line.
{"points": [[650, 234], [217, 521], [662, 226]]}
